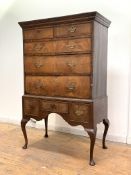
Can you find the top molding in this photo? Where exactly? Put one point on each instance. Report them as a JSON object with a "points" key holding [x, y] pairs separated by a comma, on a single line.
{"points": [[70, 18]]}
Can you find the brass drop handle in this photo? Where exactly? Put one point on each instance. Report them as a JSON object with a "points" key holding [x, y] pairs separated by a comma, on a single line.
{"points": [[70, 46], [71, 87], [38, 47], [38, 64], [79, 112], [71, 65], [72, 29]]}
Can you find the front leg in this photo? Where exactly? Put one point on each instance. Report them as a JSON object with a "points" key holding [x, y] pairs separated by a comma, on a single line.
{"points": [[23, 124], [106, 123], [92, 135], [46, 126]]}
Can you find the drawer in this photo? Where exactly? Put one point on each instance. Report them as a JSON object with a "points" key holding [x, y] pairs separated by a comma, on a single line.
{"points": [[58, 107], [39, 47], [77, 64], [62, 86], [59, 46], [31, 106], [73, 45], [80, 113], [73, 30], [40, 33]]}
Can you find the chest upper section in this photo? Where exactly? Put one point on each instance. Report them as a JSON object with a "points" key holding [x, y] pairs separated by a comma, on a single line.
{"points": [[64, 55]]}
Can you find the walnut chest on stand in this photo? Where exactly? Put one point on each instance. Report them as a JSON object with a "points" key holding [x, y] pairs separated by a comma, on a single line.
{"points": [[65, 72]]}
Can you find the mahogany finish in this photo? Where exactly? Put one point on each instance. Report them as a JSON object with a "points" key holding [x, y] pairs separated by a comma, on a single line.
{"points": [[65, 72]]}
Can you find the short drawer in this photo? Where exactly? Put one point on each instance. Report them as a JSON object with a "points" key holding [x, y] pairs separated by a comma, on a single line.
{"points": [[80, 113], [31, 106], [39, 33], [76, 64], [60, 86], [50, 106], [73, 30]]}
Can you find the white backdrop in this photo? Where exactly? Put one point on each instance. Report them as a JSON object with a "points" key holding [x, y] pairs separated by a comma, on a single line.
{"points": [[119, 55]]}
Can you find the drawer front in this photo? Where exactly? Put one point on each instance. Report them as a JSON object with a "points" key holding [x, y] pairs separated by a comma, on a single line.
{"points": [[79, 64], [39, 47], [58, 107], [73, 45], [60, 46], [31, 106], [80, 113], [73, 30], [62, 86], [38, 33]]}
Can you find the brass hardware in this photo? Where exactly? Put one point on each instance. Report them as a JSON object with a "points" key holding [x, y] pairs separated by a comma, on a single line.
{"points": [[79, 113], [72, 29], [71, 87], [38, 64], [38, 47], [71, 65], [71, 46]]}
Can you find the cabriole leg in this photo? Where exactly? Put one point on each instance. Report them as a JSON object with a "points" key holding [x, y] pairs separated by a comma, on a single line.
{"points": [[46, 126], [92, 135], [106, 124], [23, 125]]}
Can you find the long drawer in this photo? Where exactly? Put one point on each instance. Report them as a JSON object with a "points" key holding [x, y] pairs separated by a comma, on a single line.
{"points": [[77, 64], [58, 46], [62, 86]]}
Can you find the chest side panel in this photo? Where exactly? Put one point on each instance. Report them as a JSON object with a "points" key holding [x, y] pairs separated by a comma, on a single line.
{"points": [[99, 60]]}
